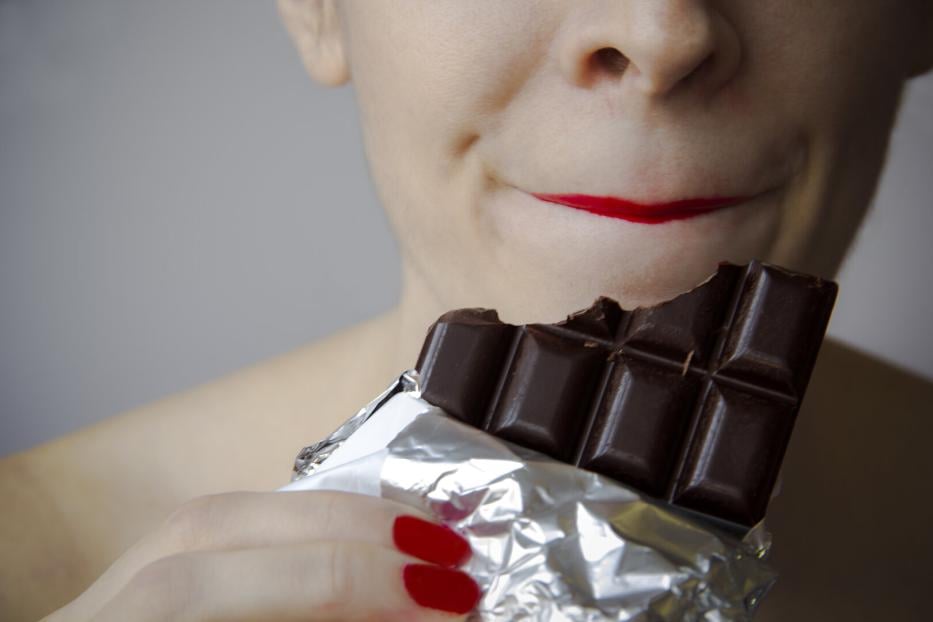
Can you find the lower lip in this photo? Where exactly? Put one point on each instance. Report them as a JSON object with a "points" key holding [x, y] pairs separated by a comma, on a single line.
{"points": [[649, 214]]}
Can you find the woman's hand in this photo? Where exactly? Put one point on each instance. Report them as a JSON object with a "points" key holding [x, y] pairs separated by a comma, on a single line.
{"points": [[285, 556]]}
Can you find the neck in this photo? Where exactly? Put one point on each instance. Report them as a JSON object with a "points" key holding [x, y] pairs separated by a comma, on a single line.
{"points": [[418, 308], [403, 329]]}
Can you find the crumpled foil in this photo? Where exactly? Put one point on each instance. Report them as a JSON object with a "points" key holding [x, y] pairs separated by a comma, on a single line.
{"points": [[551, 542]]}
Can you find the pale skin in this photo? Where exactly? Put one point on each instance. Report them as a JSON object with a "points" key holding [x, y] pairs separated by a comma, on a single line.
{"points": [[465, 107]]}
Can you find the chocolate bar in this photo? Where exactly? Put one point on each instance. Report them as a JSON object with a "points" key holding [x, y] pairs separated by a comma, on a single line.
{"points": [[691, 401]]}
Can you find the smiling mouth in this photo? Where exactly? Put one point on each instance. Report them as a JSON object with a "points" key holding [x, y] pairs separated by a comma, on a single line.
{"points": [[646, 213]]}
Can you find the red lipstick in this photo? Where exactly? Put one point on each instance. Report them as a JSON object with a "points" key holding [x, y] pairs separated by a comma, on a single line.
{"points": [[647, 213]]}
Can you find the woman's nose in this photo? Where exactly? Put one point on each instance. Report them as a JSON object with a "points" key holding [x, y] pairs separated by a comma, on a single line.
{"points": [[655, 45]]}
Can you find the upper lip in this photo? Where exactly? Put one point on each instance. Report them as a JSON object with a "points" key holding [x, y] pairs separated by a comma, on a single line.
{"points": [[642, 212]]}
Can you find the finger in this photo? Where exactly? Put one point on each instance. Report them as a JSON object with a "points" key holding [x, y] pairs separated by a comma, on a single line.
{"points": [[318, 581], [254, 520], [257, 519]]}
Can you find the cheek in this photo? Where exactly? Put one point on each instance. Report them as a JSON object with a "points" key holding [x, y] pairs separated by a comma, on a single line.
{"points": [[427, 71], [815, 65], [832, 73], [428, 75]]}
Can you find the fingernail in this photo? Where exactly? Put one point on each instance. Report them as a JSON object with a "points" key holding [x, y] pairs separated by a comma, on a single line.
{"points": [[430, 542], [440, 588]]}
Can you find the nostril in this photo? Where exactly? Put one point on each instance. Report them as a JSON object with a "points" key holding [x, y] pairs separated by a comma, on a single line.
{"points": [[609, 60]]}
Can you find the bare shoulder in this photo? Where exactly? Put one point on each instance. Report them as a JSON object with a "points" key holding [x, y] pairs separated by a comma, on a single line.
{"points": [[851, 524], [74, 504]]}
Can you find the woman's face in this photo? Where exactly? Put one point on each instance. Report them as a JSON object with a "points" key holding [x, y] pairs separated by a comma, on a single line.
{"points": [[469, 108]]}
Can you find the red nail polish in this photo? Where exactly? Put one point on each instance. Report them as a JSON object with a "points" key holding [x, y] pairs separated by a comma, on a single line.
{"points": [[440, 588], [430, 542]]}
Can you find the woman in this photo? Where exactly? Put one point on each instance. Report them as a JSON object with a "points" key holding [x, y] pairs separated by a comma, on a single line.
{"points": [[773, 115]]}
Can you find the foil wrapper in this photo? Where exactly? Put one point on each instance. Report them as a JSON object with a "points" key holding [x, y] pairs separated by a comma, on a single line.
{"points": [[551, 542]]}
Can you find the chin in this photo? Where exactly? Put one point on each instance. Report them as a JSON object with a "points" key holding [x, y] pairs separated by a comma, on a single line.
{"points": [[546, 270], [538, 262]]}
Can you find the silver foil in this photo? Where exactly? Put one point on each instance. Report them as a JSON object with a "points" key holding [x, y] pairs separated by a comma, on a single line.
{"points": [[551, 542]]}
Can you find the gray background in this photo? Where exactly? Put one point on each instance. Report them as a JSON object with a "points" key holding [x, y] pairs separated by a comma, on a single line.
{"points": [[178, 200]]}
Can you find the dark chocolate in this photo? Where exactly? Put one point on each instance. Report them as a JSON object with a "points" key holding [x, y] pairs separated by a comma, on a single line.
{"points": [[691, 401]]}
